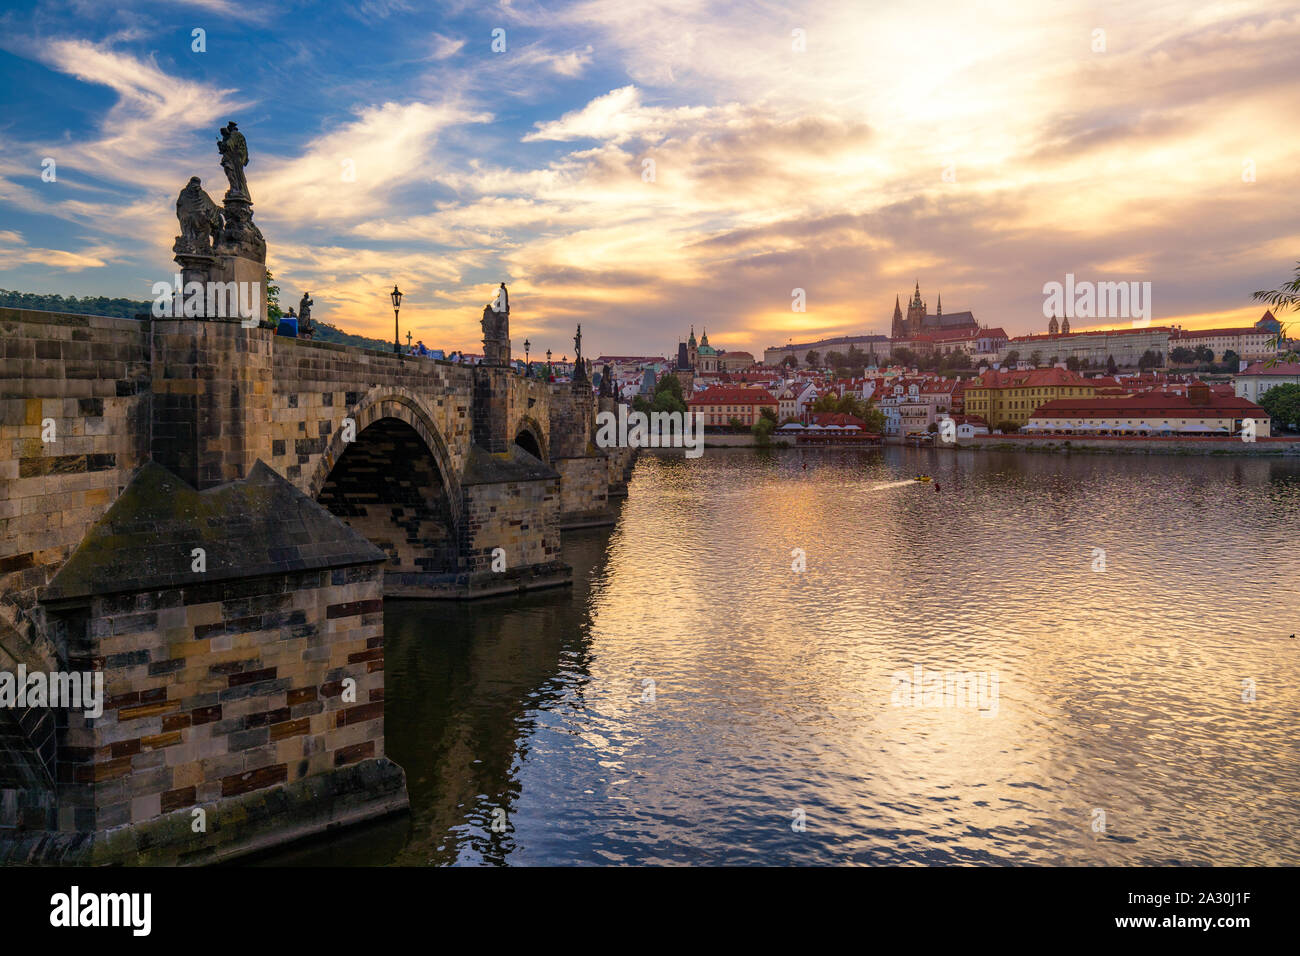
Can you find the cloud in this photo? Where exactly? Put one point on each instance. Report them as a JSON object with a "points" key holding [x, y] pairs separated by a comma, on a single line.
{"points": [[445, 47], [14, 249], [358, 168]]}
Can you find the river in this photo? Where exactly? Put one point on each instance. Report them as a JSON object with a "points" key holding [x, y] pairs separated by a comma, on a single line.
{"points": [[694, 699]]}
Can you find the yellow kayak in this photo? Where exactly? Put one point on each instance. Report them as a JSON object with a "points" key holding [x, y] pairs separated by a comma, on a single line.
{"points": [[923, 478]]}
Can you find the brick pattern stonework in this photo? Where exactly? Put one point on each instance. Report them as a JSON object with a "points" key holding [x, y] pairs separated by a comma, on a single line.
{"points": [[90, 375], [216, 690], [211, 398]]}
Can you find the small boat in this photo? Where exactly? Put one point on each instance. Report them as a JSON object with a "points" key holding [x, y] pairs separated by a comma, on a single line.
{"points": [[923, 478]]}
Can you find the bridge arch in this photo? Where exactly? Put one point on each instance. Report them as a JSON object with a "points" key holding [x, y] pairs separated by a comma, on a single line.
{"points": [[404, 406], [530, 436], [394, 483]]}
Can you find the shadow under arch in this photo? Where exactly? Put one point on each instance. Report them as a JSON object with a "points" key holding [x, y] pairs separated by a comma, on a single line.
{"points": [[394, 484], [530, 437]]}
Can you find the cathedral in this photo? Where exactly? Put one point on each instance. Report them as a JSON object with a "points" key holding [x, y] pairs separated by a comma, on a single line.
{"points": [[918, 321]]}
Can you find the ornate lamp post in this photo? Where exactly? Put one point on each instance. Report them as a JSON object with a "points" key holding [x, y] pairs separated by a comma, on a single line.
{"points": [[527, 367], [548, 365], [396, 296]]}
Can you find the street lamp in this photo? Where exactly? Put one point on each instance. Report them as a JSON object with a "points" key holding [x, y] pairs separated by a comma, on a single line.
{"points": [[527, 367], [548, 365], [396, 296]]}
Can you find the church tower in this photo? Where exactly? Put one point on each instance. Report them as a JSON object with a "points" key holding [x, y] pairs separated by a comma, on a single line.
{"points": [[1065, 325], [898, 331], [1052, 327], [916, 313]]}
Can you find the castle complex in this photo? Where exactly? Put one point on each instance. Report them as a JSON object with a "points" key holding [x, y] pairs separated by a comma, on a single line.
{"points": [[919, 322]]}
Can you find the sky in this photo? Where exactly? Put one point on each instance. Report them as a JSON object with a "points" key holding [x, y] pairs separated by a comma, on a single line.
{"points": [[642, 166]]}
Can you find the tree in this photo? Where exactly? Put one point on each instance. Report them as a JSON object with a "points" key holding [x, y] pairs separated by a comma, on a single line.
{"points": [[668, 395], [1204, 353], [1035, 358], [855, 357], [1232, 360], [958, 358], [1182, 355], [763, 428], [1008, 427], [813, 359], [735, 424], [1148, 360], [273, 313], [874, 418], [1111, 367], [790, 361], [1072, 363], [767, 412], [834, 359], [1282, 402], [1286, 296], [1012, 357], [904, 356]]}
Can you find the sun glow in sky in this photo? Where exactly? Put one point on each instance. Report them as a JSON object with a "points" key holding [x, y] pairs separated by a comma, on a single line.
{"points": [[776, 167]]}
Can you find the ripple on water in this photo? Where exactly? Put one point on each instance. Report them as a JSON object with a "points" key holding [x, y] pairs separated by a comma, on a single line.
{"points": [[1119, 691]]}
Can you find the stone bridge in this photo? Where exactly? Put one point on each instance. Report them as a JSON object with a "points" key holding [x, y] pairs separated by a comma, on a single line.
{"points": [[209, 516]]}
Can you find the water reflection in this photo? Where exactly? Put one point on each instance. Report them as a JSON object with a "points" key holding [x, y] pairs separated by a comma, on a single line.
{"points": [[1120, 691]]}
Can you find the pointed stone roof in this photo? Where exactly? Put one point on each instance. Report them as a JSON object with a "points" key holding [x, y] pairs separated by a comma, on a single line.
{"points": [[258, 526]]}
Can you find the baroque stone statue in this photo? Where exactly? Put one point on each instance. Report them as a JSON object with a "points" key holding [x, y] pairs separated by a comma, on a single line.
{"points": [[304, 307], [234, 157], [200, 220]]}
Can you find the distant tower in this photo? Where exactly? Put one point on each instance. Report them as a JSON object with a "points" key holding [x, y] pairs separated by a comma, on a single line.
{"points": [[938, 309], [1065, 325], [1052, 327], [916, 313], [692, 347], [898, 331]]}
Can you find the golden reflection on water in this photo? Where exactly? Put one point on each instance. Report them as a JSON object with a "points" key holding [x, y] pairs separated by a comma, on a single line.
{"points": [[1118, 691]]}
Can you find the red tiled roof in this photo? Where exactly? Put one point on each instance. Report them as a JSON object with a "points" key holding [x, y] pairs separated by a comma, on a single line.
{"points": [[1030, 378], [1281, 368], [716, 395], [1044, 336], [956, 335], [1151, 404], [836, 418], [1198, 333]]}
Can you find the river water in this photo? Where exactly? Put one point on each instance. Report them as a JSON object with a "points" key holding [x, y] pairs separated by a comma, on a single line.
{"points": [[694, 699]]}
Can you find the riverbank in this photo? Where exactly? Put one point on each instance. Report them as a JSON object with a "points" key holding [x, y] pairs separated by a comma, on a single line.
{"points": [[1190, 447]]}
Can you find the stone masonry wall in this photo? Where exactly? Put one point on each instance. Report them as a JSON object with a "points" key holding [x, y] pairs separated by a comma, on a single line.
{"points": [[217, 690], [519, 517], [319, 384], [211, 398], [584, 491], [91, 375]]}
